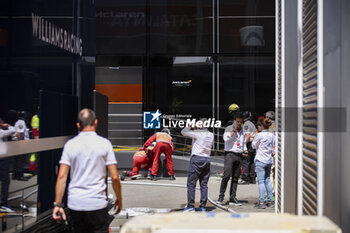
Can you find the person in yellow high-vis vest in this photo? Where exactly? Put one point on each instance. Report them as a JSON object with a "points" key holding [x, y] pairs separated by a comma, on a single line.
{"points": [[35, 128]]}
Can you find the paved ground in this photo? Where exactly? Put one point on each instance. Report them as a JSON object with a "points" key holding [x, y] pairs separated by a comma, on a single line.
{"points": [[141, 196]]}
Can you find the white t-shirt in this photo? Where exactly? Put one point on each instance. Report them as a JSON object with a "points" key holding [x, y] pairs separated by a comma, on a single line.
{"points": [[202, 141], [21, 128], [5, 134], [14, 135], [263, 143], [87, 154]]}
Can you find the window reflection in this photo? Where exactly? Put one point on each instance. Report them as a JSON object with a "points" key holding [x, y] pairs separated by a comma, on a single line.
{"points": [[177, 82], [239, 36], [30, 65], [248, 82], [246, 27], [181, 27], [17, 173], [121, 27]]}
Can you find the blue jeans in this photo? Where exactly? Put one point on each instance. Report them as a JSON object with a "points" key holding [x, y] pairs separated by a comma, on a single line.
{"points": [[263, 171], [199, 169]]}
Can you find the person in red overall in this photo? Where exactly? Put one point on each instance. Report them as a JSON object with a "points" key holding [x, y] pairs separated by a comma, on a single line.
{"points": [[164, 144], [142, 159]]}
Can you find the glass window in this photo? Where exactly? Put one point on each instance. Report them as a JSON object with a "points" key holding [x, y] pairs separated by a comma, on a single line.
{"points": [[244, 8], [42, 7], [181, 85], [248, 82], [121, 27], [247, 27], [181, 27], [43, 82], [32, 59]]}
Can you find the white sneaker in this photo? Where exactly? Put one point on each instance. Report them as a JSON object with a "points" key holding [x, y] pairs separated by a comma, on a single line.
{"points": [[135, 176], [188, 209], [6, 209], [23, 206], [235, 204]]}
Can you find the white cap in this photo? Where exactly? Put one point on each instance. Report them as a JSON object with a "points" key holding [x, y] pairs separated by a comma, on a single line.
{"points": [[270, 114]]}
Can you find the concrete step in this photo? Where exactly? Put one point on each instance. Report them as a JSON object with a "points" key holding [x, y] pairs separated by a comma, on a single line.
{"points": [[123, 141], [124, 125], [124, 133], [125, 108], [125, 118]]}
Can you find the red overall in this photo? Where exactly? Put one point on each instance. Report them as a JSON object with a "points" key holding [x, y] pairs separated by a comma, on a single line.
{"points": [[141, 160], [164, 145]]}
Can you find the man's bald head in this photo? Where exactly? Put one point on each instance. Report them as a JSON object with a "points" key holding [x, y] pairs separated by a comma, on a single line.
{"points": [[86, 117]]}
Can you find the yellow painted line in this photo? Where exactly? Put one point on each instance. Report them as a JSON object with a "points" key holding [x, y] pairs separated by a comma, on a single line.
{"points": [[126, 148], [182, 149], [116, 150]]}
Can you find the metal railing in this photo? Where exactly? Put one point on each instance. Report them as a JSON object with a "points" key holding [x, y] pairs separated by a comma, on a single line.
{"points": [[23, 194]]}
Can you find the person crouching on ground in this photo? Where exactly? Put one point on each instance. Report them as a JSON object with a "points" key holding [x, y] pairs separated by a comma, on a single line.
{"points": [[142, 159], [164, 144], [264, 142]]}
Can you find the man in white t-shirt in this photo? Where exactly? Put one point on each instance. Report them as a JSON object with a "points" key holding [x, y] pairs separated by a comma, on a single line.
{"points": [[199, 168], [86, 156]]}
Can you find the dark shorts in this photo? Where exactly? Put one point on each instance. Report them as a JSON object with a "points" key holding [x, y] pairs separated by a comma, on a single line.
{"points": [[90, 221]]}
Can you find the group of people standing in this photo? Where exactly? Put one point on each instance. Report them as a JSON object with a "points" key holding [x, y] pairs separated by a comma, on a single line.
{"points": [[247, 148], [249, 152], [86, 156]]}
